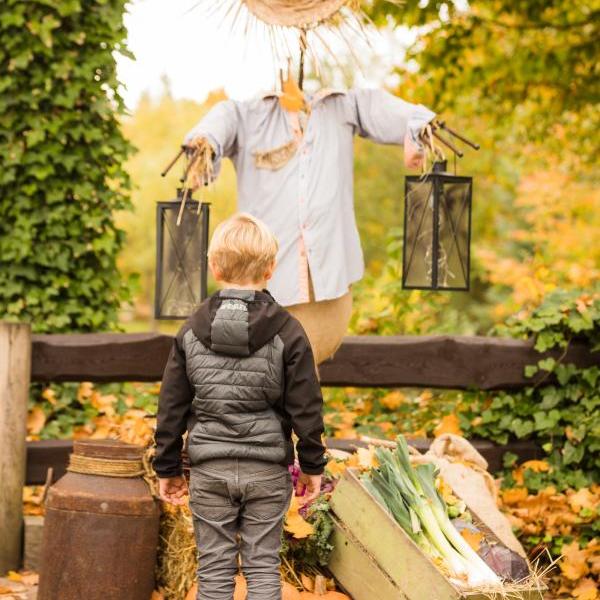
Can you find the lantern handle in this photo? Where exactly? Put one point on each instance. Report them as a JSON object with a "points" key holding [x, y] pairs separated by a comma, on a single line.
{"points": [[173, 161], [447, 143], [462, 138]]}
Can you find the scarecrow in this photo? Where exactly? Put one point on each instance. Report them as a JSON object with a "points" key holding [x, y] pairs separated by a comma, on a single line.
{"points": [[293, 155]]}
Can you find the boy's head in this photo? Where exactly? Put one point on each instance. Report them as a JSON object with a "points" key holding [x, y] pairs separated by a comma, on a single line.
{"points": [[242, 251]]}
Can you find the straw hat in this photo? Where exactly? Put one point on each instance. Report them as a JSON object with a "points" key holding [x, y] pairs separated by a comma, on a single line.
{"points": [[294, 13]]}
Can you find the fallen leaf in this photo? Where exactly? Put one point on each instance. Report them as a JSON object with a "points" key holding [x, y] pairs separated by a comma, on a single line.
{"points": [[448, 424], [366, 457], [335, 467], [586, 589], [539, 466], [582, 499], [473, 538], [514, 495], [85, 390], [574, 561], [14, 576], [36, 419], [295, 524], [424, 398], [393, 400], [49, 395]]}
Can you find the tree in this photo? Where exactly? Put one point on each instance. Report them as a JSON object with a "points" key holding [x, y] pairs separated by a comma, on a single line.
{"points": [[532, 67], [62, 152]]}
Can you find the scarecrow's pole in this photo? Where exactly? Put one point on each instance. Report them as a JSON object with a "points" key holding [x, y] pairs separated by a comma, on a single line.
{"points": [[15, 372]]}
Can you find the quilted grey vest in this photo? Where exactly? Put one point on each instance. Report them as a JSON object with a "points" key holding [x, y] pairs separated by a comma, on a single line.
{"points": [[234, 391]]}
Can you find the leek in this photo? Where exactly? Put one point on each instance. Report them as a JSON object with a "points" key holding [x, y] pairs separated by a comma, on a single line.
{"points": [[409, 494]]}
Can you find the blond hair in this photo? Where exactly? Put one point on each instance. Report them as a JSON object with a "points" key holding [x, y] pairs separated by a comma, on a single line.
{"points": [[242, 249]]}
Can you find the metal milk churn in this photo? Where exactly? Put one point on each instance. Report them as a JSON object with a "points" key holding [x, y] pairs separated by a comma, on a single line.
{"points": [[101, 527]]}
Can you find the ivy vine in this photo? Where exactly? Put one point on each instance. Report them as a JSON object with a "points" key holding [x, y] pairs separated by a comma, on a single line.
{"points": [[62, 155], [561, 409]]}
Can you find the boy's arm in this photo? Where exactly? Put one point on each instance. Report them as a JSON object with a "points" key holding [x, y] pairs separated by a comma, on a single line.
{"points": [[303, 401], [174, 404]]}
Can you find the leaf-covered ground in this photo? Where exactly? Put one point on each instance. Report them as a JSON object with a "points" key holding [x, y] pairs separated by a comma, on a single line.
{"points": [[544, 510]]}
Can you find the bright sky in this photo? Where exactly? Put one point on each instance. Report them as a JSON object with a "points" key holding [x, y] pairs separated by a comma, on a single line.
{"points": [[175, 39]]}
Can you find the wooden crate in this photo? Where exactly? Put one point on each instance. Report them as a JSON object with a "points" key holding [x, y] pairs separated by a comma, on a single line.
{"points": [[358, 572], [387, 551]]}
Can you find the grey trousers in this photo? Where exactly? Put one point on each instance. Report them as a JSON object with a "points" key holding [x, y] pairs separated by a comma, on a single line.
{"points": [[238, 506]]}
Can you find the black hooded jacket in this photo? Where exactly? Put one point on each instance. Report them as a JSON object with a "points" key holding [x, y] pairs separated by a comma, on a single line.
{"points": [[240, 378]]}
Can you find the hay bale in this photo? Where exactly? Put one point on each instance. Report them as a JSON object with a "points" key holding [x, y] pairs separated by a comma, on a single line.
{"points": [[177, 556]]}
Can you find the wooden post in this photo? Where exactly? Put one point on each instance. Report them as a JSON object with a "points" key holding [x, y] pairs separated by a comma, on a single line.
{"points": [[15, 371]]}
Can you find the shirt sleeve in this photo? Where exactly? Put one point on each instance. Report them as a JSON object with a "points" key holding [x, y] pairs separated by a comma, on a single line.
{"points": [[219, 126], [174, 405], [385, 118], [303, 401]]}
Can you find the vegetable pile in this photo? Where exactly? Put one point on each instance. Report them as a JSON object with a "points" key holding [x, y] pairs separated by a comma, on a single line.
{"points": [[410, 495]]}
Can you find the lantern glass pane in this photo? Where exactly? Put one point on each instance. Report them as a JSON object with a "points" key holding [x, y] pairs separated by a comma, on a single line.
{"points": [[418, 234], [181, 264], [453, 234]]}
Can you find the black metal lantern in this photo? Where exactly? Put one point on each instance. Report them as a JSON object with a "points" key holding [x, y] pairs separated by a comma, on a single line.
{"points": [[181, 256], [437, 231]]}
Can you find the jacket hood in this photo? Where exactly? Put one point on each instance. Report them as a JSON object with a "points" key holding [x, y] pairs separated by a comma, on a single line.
{"points": [[238, 322]]}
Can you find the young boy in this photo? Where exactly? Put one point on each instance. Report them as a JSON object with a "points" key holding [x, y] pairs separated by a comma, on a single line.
{"points": [[240, 378]]}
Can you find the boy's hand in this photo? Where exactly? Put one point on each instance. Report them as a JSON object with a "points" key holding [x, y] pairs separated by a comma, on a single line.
{"points": [[310, 486], [173, 489]]}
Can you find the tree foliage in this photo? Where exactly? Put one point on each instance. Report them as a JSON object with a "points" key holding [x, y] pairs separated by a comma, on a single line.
{"points": [[62, 153], [532, 66]]}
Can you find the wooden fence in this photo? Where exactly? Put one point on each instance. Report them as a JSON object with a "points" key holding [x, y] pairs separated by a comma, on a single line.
{"points": [[450, 362]]}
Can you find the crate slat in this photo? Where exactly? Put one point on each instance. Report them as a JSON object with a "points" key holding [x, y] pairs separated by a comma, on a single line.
{"points": [[356, 571]]}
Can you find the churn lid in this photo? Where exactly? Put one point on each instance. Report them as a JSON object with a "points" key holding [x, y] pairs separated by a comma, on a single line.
{"points": [[104, 476], [108, 449]]}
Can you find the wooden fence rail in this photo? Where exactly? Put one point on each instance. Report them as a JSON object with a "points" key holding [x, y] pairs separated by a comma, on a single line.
{"points": [[452, 362]]}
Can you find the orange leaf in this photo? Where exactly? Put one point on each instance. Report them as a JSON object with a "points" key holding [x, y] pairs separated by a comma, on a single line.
{"points": [[539, 466], [514, 495], [292, 98], [295, 524], [335, 467], [586, 589], [573, 564], [393, 400], [49, 395], [448, 424], [366, 457], [36, 419], [473, 538], [85, 390], [582, 499]]}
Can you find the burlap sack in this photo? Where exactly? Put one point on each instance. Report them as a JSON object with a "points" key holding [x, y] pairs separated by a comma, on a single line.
{"points": [[465, 470]]}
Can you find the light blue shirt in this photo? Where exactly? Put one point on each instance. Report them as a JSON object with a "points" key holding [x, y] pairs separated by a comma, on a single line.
{"points": [[308, 203]]}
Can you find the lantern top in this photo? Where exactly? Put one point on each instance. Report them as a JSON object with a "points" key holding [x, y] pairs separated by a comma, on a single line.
{"points": [[440, 166]]}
